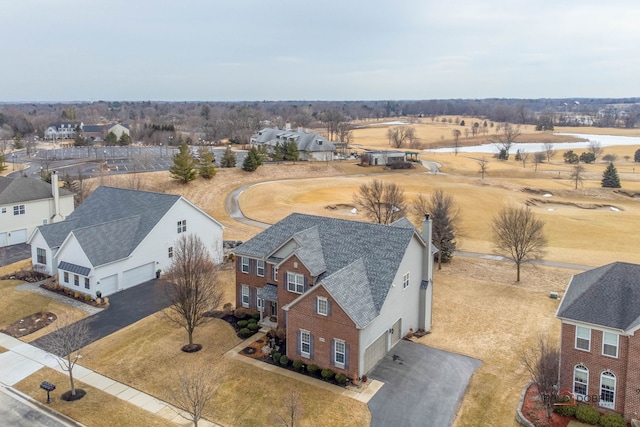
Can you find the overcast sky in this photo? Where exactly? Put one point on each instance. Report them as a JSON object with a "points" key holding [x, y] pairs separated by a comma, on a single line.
{"points": [[66, 50]]}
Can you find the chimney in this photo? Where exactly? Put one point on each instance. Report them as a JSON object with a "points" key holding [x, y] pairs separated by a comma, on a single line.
{"points": [[287, 125], [55, 191], [427, 270], [426, 287], [300, 129]]}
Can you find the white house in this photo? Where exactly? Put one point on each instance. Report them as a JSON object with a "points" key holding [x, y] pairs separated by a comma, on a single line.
{"points": [[26, 203], [118, 130], [62, 130], [119, 238]]}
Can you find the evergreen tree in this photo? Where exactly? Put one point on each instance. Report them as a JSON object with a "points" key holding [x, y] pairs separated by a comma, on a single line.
{"points": [[125, 139], [3, 165], [206, 169], [291, 151], [610, 177], [111, 139], [183, 168], [278, 153], [251, 162], [229, 158], [636, 156]]}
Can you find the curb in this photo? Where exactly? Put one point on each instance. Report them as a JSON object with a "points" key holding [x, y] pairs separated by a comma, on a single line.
{"points": [[519, 416], [52, 412]]}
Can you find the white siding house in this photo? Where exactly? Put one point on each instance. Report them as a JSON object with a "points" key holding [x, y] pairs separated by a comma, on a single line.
{"points": [[26, 203], [119, 238]]}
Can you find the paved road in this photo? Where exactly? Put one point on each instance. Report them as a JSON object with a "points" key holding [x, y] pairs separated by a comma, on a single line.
{"points": [[19, 411], [126, 307], [423, 386]]}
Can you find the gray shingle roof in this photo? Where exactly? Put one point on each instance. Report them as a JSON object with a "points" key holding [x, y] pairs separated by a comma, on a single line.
{"points": [[111, 223], [607, 296], [309, 250], [304, 141], [340, 243], [23, 189]]}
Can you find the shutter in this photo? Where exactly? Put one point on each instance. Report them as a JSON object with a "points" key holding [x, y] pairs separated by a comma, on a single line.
{"points": [[315, 305], [252, 266], [333, 353], [298, 342], [239, 263], [310, 345], [328, 307], [346, 356], [252, 297], [304, 286]]}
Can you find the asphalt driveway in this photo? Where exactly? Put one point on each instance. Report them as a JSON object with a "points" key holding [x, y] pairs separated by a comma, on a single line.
{"points": [[126, 307], [423, 386], [14, 253]]}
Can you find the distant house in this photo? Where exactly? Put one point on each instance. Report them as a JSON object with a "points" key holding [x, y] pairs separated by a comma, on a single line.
{"points": [[600, 338], [311, 146], [62, 130], [119, 238], [346, 291], [26, 203], [94, 133], [383, 157], [118, 129]]}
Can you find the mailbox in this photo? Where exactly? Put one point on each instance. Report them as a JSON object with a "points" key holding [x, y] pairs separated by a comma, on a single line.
{"points": [[46, 385]]}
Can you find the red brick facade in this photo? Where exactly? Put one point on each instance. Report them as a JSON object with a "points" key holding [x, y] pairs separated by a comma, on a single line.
{"points": [[626, 368]]}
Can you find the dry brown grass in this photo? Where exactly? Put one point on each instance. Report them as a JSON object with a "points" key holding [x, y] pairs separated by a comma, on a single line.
{"points": [[247, 395], [480, 312], [15, 304], [96, 408]]}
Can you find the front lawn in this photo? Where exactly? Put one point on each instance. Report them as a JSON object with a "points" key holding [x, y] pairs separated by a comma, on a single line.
{"points": [[147, 356]]}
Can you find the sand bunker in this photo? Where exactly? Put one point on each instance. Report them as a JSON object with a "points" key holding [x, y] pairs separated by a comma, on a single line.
{"points": [[558, 205], [343, 209]]}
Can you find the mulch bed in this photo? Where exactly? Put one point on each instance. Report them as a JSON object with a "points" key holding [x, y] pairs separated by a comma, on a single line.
{"points": [[30, 324], [68, 397], [61, 291], [534, 410], [26, 276]]}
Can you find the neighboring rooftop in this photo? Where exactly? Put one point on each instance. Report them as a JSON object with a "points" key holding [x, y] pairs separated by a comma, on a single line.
{"points": [[608, 296], [305, 141], [24, 189]]}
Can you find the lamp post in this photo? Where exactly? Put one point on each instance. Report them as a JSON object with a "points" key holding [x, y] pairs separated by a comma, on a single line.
{"points": [[13, 160], [161, 150]]}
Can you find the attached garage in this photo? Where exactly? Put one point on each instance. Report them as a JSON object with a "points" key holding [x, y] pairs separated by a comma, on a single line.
{"points": [[4, 240], [138, 275], [18, 236], [375, 352], [108, 285], [395, 337]]}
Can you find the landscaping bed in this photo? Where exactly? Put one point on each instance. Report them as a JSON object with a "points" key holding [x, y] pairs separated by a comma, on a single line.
{"points": [[52, 285], [30, 324], [243, 323], [26, 276]]}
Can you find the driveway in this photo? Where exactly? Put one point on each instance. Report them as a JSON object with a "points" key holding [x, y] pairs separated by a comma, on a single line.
{"points": [[126, 307], [423, 386], [14, 253]]}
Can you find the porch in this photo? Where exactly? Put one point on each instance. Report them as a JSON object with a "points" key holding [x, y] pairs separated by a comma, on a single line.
{"points": [[267, 301]]}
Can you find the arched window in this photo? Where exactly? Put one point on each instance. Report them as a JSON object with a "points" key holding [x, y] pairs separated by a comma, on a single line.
{"points": [[580, 380], [607, 390]]}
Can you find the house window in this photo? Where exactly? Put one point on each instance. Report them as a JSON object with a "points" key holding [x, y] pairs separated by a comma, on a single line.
{"points": [[76, 280], [295, 282], [182, 226], [580, 380], [305, 343], [583, 338], [245, 296], [275, 273], [405, 281], [323, 306], [610, 344], [170, 252], [260, 268], [340, 353], [45, 221], [87, 283], [41, 256], [66, 277], [245, 264], [607, 390], [4, 210], [18, 210]]}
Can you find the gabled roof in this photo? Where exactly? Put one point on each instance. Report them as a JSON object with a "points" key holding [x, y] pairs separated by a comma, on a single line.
{"points": [[607, 296], [369, 254], [304, 141], [93, 128], [23, 189], [111, 223]]}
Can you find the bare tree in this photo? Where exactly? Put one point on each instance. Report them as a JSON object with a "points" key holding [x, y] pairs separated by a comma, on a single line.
{"points": [[65, 343], [401, 135], [508, 137], [383, 202], [519, 235], [542, 363], [596, 148], [196, 385], [333, 120], [483, 166], [292, 411], [524, 156], [194, 289], [445, 216], [577, 174], [538, 157], [456, 140], [549, 151]]}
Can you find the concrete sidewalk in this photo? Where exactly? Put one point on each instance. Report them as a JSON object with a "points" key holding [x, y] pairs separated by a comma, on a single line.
{"points": [[36, 289], [362, 394], [22, 360]]}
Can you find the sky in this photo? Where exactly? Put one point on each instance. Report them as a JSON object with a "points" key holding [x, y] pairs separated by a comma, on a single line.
{"points": [[254, 50]]}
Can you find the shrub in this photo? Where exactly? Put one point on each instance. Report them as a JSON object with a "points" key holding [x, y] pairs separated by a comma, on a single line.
{"points": [[327, 374], [610, 158], [341, 378], [228, 308], [87, 297], [276, 356], [255, 316], [252, 320], [565, 411], [612, 420], [76, 294], [587, 414], [231, 257], [245, 333], [241, 313], [284, 360], [313, 369], [253, 327], [297, 365], [242, 323]]}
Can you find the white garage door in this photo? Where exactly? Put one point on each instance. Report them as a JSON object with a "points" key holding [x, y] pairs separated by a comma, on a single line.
{"points": [[396, 333], [18, 236], [108, 285], [3, 239], [137, 275], [375, 352]]}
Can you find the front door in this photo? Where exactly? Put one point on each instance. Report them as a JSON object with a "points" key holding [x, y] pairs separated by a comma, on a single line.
{"points": [[274, 310]]}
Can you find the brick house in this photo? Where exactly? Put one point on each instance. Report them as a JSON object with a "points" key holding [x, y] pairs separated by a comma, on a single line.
{"points": [[600, 338], [345, 291]]}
